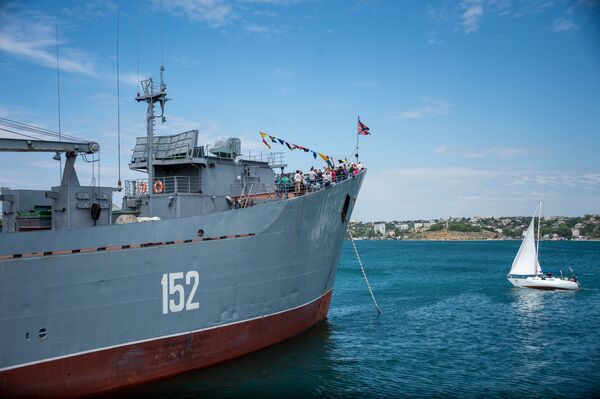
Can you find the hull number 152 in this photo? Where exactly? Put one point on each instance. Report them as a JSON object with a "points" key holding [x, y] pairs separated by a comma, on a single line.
{"points": [[174, 293]]}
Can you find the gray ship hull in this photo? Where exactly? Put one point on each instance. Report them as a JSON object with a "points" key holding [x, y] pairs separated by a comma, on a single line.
{"points": [[95, 309]]}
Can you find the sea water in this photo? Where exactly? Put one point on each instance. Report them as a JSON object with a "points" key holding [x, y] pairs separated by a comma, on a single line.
{"points": [[451, 326]]}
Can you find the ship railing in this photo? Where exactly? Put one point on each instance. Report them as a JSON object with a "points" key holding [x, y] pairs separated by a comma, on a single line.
{"points": [[163, 185], [250, 188], [151, 87], [283, 190], [273, 159]]}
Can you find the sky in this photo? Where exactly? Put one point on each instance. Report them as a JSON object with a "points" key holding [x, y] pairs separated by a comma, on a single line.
{"points": [[476, 107]]}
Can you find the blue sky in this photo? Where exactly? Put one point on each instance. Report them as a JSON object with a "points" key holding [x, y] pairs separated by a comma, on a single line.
{"points": [[477, 107]]}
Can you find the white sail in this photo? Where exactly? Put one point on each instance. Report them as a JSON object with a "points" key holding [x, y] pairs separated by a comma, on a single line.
{"points": [[526, 261]]}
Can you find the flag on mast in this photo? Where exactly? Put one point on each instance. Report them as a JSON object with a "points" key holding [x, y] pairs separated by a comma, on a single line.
{"points": [[363, 129]]}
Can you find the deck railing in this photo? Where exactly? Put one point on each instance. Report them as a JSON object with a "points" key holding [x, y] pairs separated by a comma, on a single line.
{"points": [[163, 185], [307, 186], [273, 159]]}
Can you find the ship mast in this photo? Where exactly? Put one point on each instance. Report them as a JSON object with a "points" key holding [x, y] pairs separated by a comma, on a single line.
{"points": [[153, 93]]}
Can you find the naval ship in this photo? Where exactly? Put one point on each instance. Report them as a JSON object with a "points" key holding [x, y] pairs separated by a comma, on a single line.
{"points": [[204, 262]]}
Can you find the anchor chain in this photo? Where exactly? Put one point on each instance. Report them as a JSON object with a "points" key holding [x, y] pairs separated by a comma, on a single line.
{"points": [[364, 274]]}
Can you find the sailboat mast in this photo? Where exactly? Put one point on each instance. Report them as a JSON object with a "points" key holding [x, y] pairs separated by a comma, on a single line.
{"points": [[537, 250]]}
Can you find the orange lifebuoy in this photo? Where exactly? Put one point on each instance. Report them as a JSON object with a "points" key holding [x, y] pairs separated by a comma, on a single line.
{"points": [[158, 187]]}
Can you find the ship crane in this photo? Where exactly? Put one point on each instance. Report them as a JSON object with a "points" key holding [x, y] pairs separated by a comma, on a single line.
{"points": [[72, 147], [71, 204], [71, 150], [27, 145]]}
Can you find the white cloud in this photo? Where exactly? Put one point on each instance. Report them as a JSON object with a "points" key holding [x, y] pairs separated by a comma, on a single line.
{"points": [[186, 61], [487, 152], [470, 192], [214, 12], [431, 107], [365, 84], [222, 13], [90, 9], [32, 35], [471, 16], [273, 2], [563, 24], [441, 149], [131, 78], [496, 152], [11, 112], [283, 73], [255, 28], [468, 15]]}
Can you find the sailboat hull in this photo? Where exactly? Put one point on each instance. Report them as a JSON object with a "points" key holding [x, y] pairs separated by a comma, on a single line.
{"points": [[547, 283]]}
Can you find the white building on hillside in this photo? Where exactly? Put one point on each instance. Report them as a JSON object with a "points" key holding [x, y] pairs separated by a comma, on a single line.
{"points": [[380, 228]]}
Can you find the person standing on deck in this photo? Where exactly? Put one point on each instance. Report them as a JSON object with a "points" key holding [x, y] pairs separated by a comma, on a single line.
{"points": [[312, 179], [297, 182], [285, 184]]}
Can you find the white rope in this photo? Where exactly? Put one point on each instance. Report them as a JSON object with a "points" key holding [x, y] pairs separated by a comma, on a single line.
{"points": [[364, 274]]}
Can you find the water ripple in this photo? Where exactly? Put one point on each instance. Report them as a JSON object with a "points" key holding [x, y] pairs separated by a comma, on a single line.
{"points": [[452, 326]]}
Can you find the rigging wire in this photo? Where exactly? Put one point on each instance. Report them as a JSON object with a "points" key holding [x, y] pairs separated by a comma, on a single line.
{"points": [[58, 101], [138, 53], [37, 130], [162, 49], [118, 106], [20, 134], [212, 111], [218, 114]]}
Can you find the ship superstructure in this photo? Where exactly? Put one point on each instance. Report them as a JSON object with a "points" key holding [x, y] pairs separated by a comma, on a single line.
{"points": [[205, 261]]}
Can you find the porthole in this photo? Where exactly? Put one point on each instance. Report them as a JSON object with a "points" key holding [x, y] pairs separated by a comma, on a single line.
{"points": [[200, 233], [27, 336], [43, 333]]}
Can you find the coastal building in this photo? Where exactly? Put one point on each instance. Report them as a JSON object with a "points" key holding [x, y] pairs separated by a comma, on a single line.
{"points": [[575, 232], [379, 228]]}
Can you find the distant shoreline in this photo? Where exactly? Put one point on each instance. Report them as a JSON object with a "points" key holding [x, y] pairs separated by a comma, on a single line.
{"points": [[466, 240]]}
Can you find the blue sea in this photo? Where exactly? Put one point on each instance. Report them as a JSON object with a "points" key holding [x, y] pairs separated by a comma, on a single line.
{"points": [[451, 326]]}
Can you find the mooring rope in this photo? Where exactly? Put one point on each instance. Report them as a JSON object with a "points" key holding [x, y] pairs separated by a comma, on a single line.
{"points": [[364, 274]]}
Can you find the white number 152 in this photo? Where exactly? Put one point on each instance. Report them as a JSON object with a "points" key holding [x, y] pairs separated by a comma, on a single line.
{"points": [[173, 294]]}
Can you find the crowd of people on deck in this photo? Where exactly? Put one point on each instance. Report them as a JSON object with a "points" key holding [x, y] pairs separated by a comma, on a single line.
{"points": [[316, 179]]}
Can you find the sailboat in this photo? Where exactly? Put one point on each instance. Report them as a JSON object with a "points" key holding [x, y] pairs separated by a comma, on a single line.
{"points": [[526, 271]]}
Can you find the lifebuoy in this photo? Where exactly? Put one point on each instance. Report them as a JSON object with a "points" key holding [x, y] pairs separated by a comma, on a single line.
{"points": [[158, 187]]}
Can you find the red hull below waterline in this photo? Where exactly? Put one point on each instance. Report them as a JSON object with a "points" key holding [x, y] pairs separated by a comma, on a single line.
{"points": [[128, 365]]}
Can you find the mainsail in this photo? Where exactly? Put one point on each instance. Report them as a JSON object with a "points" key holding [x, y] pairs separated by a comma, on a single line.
{"points": [[526, 261]]}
